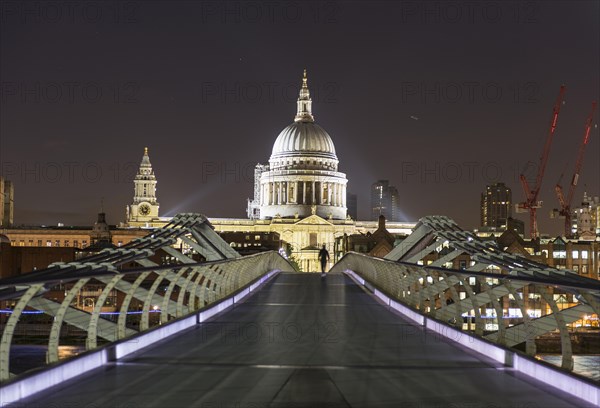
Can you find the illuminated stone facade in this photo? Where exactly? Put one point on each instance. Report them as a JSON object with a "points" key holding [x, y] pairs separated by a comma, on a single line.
{"points": [[143, 211], [586, 220], [306, 236], [76, 237], [302, 177]]}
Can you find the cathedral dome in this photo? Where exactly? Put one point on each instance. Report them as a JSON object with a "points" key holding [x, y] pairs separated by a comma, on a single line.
{"points": [[303, 138], [302, 176], [304, 144]]}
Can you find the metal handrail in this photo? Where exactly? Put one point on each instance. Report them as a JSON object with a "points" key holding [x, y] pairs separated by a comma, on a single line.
{"points": [[433, 291]]}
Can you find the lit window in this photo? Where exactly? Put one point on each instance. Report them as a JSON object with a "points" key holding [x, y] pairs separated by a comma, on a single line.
{"points": [[584, 254], [559, 298], [575, 254], [515, 313]]}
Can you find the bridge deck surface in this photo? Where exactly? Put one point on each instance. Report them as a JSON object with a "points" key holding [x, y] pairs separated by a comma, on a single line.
{"points": [[304, 341]]}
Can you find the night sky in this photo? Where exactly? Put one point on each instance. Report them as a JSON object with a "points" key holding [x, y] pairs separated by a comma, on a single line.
{"points": [[441, 98]]}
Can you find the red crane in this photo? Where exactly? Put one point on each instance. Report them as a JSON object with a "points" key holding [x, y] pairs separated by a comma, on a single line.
{"points": [[531, 202], [565, 205]]}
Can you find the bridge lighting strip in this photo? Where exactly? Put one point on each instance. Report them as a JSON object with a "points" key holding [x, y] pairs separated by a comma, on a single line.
{"points": [[544, 373], [9, 311], [60, 372], [34, 312]]}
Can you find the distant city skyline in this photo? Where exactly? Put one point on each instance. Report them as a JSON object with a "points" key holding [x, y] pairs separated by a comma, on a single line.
{"points": [[412, 97]]}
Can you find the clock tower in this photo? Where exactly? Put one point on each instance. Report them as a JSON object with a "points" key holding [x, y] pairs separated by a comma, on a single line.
{"points": [[144, 207]]}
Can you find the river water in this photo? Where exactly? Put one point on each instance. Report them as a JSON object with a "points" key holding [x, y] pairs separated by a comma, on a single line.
{"points": [[586, 365], [26, 357]]}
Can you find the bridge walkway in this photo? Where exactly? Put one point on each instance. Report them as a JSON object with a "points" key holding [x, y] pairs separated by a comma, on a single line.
{"points": [[303, 341]]}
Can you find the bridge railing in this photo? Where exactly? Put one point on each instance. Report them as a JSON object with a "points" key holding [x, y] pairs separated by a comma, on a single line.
{"points": [[505, 309], [107, 304]]}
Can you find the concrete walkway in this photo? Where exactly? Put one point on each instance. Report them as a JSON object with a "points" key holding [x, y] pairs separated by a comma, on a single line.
{"points": [[304, 341]]}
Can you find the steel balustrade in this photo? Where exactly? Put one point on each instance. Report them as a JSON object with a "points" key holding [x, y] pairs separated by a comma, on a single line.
{"points": [[174, 290], [426, 290], [419, 273]]}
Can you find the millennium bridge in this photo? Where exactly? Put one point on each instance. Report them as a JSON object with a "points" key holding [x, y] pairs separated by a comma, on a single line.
{"points": [[179, 319]]}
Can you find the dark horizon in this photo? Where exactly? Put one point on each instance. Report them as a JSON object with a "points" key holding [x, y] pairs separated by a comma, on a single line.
{"points": [[441, 101]]}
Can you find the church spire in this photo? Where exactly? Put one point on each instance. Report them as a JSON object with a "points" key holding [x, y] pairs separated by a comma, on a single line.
{"points": [[304, 111], [145, 181], [144, 207]]}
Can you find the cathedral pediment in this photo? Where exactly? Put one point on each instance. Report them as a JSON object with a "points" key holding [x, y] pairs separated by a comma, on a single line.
{"points": [[313, 220]]}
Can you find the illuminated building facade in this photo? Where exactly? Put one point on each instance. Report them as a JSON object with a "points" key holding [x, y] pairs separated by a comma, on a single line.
{"points": [[385, 201], [582, 257], [496, 205], [69, 237], [302, 176], [143, 211], [586, 223]]}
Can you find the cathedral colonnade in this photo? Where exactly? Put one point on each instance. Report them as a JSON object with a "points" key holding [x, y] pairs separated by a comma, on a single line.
{"points": [[303, 192]]}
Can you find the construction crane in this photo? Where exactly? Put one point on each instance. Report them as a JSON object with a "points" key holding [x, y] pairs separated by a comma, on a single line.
{"points": [[531, 202], [565, 204]]}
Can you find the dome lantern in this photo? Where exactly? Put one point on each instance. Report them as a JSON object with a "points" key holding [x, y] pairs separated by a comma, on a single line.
{"points": [[304, 111]]}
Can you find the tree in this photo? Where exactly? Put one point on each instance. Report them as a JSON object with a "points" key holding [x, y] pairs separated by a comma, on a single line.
{"points": [[289, 249]]}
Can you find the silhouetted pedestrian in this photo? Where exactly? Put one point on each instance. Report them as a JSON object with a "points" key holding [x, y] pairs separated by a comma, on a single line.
{"points": [[323, 257]]}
